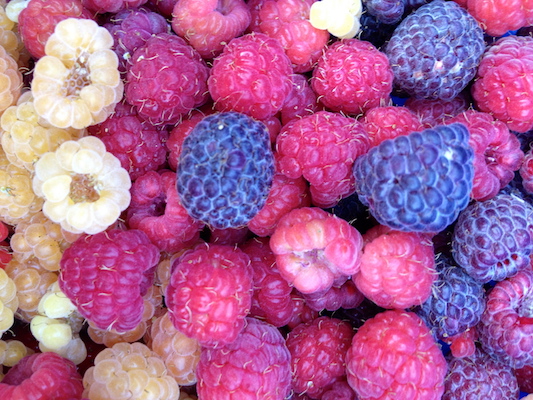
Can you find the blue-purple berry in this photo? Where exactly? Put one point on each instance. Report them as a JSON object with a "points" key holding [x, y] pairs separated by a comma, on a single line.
{"points": [[386, 11]]}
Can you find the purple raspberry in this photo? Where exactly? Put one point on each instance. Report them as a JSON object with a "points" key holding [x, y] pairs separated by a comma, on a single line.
{"points": [[386, 11]]}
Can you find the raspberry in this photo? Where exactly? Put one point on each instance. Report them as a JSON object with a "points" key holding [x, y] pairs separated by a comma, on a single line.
{"points": [[393, 355], [208, 25], [42, 376], [435, 51], [526, 171], [386, 11], [322, 148], [131, 28], [251, 76], [138, 145], [301, 312], [111, 6], [492, 239], [256, 366], [504, 330], [288, 21], [479, 377], [163, 7], [345, 296], [129, 371], [352, 76], [419, 182], [8, 302], [436, 112], [39, 18], [524, 377], [339, 390], [397, 270], [318, 349], [167, 79], [11, 81], [225, 170], [497, 153], [210, 293], [340, 18], [501, 87], [315, 250], [374, 31], [301, 101], [388, 122], [456, 303], [103, 274]]}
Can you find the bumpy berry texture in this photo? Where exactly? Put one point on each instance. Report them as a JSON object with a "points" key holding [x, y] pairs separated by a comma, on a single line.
{"points": [[256, 365], [479, 377], [344, 296], [301, 101], [210, 24], [501, 87], [339, 18], [225, 170], [435, 51], [456, 303], [106, 274], [504, 330], [436, 112], [288, 21], [387, 122], [42, 376], [11, 80], [492, 239], [210, 293], [497, 153], [111, 6], [352, 76], [526, 172], [374, 31], [251, 76], [322, 148], [315, 250], [8, 302], [167, 79], [386, 11], [415, 367], [419, 182], [397, 270], [317, 351]]}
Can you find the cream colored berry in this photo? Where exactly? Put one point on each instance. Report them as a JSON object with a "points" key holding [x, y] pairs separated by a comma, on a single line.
{"points": [[338, 17], [84, 187]]}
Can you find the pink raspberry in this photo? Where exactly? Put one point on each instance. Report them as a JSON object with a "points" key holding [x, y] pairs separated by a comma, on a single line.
{"points": [[271, 300], [301, 101], [111, 6], [210, 293], [37, 21], [167, 79], [524, 377], [288, 21], [397, 270], [387, 122], [346, 296], [251, 76], [352, 76], [228, 236], [340, 390], [436, 112], [315, 250], [394, 356], [322, 148], [255, 366], [208, 25], [497, 153], [285, 195], [301, 312], [42, 376], [526, 171], [163, 7], [318, 349], [502, 86], [138, 145], [105, 275], [156, 210]]}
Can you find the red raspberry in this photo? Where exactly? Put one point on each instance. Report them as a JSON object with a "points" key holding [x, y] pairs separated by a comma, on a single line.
{"points": [[435, 112], [315, 250], [39, 18], [397, 270], [318, 349], [497, 153], [387, 122], [301, 312], [210, 293], [138, 145], [156, 210], [301, 101], [271, 299], [255, 366], [394, 356], [524, 377], [229, 236], [340, 390], [251, 76], [352, 76], [42, 376], [288, 21], [105, 275], [285, 195], [322, 148], [526, 172], [502, 86], [346, 296], [255, 7], [163, 7], [208, 25], [111, 6], [167, 79]]}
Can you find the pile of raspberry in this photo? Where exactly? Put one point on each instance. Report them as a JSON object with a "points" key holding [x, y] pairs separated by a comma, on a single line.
{"points": [[223, 199]]}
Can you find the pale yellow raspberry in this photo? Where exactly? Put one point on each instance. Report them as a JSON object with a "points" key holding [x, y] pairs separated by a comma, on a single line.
{"points": [[77, 83], [12, 351], [10, 80], [84, 187], [8, 301], [338, 17]]}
